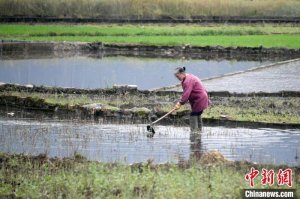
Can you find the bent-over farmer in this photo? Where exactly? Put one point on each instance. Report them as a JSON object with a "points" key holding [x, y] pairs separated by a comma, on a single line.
{"points": [[195, 93]]}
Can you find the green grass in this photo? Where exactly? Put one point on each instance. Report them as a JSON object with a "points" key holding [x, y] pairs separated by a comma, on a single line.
{"points": [[252, 114], [40, 177], [144, 30], [256, 109], [224, 35], [279, 41]]}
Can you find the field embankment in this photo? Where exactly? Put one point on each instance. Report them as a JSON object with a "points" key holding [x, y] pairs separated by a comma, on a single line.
{"points": [[261, 109]]}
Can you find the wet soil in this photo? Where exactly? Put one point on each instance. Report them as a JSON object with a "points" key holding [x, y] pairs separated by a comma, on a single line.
{"points": [[163, 19], [12, 48]]}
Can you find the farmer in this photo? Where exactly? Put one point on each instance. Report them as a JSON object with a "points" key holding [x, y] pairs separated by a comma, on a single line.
{"points": [[196, 94]]}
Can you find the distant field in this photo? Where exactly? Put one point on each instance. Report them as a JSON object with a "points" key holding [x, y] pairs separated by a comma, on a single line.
{"points": [[149, 8], [162, 34], [144, 30]]}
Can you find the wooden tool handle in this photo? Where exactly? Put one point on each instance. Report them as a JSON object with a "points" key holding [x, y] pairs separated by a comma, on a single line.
{"points": [[171, 111]]}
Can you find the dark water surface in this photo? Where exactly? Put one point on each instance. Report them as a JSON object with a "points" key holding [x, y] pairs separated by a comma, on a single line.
{"points": [[129, 144], [88, 72]]}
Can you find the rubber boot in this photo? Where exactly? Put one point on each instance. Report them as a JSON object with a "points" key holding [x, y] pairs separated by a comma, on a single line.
{"points": [[196, 124]]}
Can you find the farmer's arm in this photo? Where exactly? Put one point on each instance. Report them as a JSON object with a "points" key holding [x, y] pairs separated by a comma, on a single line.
{"points": [[187, 89]]}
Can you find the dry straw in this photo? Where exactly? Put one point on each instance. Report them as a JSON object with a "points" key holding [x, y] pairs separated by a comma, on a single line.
{"points": [[149, 8]]}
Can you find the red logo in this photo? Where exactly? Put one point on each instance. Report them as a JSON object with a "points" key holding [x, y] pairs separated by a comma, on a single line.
{"points": [[250, 176], [283, 177], [268, 177]]}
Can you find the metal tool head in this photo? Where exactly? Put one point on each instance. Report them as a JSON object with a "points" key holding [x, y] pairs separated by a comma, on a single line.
{"points": [[151, 131]]}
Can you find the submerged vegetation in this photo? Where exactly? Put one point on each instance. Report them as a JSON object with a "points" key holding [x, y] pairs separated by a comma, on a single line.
{"points": [[148, 9], [39, 177], [269, 35]]}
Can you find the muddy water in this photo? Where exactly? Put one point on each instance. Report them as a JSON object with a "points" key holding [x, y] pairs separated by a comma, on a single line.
{"points": [[88, 72], [129, 144]]}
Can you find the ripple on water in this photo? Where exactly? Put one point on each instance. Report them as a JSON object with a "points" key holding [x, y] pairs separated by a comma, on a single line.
{"points": [[129, 144]]}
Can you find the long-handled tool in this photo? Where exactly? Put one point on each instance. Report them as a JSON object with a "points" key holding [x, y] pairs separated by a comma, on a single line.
{"points": [[151, 130]]}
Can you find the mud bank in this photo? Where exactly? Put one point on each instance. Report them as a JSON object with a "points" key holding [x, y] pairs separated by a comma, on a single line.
{"points": [[149, 111], [136, 19], [117, 90], [127, 89], [29, 49]]}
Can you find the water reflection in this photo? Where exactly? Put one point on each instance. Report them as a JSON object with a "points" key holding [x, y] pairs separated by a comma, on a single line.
{"points": [[196, 146], [87, 72]]}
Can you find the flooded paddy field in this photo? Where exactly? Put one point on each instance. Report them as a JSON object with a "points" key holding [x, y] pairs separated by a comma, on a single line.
{"points": [[48, 133], [281, 77], [128, 143], [90, 73], [276, 77], [107, 142]]}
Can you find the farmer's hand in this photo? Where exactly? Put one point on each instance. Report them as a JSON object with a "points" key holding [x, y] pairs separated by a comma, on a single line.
{"points": [[177, 106]]}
